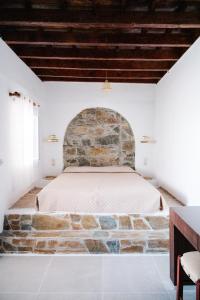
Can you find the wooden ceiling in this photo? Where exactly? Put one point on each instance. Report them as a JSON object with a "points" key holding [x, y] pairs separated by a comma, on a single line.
{"points": [[87, 40]]}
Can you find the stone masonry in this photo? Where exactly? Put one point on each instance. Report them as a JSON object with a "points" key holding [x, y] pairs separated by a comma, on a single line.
{"points": [[55, 233], [98, 137]]}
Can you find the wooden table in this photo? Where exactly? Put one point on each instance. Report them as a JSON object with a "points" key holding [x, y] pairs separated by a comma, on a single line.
{"points": [[184, 235]]}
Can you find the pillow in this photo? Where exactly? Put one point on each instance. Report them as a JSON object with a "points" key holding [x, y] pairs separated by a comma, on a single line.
{"points": [[109, 169]]}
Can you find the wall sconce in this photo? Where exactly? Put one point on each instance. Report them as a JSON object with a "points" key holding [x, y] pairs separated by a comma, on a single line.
{"points": [[147, 140], [52, 138]]}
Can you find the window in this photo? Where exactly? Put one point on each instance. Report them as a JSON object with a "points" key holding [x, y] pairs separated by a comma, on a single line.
{"points": [[24, 141]]}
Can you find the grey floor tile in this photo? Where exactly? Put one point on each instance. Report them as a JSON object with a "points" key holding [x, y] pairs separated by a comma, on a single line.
{"points": [[188, 295], [74, 296], [136, 297], [17, 296], [162, 264], [131, 274], [22, 274], [74, 274]]}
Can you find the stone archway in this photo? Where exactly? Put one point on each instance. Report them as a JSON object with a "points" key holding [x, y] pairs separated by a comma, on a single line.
{"points": [[99, 137]]}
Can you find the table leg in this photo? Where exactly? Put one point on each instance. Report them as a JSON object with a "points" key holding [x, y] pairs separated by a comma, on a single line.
{"points": [[173, 253], [178, 245]]}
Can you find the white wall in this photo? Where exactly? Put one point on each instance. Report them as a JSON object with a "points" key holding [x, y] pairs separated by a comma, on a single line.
{"points": [[65, 100], [177, 128], [14, 75]]}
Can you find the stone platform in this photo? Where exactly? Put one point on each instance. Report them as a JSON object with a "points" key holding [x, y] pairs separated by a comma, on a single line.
{"points": [[62, 233]]}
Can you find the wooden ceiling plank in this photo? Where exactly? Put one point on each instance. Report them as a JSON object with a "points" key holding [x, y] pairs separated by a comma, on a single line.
{"points": [[107, 19], [171, 54], [95, 65], [71, 79], [98, 73], [102, 77], [28, 4], [95, 39]]}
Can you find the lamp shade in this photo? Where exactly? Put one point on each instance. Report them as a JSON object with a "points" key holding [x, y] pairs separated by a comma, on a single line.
{"points": [[147, 140], [52, 138], [107, 86]]}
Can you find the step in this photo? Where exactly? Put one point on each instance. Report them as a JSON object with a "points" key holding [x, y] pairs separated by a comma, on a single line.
{"points": [[62, 233]]}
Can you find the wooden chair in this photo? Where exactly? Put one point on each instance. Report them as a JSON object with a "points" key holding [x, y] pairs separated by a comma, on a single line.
{"points": [[190, 264]]}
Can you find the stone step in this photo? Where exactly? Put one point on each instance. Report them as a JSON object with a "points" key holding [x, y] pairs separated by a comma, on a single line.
{"points": [[74, 233]]}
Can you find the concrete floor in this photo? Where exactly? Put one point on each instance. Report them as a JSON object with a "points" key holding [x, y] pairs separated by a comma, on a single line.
{"points": [[134, 277]]}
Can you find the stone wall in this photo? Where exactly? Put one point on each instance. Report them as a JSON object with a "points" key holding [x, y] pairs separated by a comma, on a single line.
{"points": [[98, 137], [68, 234]]}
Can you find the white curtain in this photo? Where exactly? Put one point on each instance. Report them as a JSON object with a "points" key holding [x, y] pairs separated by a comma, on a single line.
{"points": [[24, 141]]}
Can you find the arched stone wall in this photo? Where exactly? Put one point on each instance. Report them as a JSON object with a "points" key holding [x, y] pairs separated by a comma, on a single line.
{"points": [[99, 137]]}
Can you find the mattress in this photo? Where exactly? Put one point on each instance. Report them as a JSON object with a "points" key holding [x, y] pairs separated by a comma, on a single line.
{"points": [[99, 190]]}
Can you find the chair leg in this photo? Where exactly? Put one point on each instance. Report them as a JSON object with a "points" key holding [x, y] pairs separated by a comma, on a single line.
{"points": [[179, 288], [198, 290]]}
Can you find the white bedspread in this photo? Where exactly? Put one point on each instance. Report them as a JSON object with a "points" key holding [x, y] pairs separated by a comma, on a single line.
{"points": [[99, 190]]}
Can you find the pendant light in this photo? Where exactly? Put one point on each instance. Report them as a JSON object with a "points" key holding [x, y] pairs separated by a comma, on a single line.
{"points": [[106, 85]]}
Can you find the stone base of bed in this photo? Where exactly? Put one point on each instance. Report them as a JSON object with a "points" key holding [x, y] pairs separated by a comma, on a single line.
{"points": [[63, 233]]}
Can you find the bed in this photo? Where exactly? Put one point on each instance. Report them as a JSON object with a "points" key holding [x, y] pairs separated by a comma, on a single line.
{"points": [[100, 190]]}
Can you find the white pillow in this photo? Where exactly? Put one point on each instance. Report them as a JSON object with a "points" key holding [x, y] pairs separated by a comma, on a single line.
{"points": [[109, 169]]}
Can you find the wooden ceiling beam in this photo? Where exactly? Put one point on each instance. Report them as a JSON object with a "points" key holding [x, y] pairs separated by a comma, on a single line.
{"points": [[96, 39], [103, 19], [95, 65], [72, 79], [98, 73], [171, 54]]}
